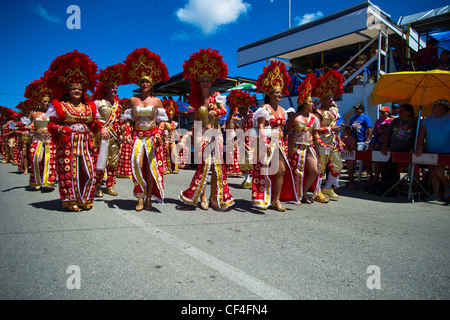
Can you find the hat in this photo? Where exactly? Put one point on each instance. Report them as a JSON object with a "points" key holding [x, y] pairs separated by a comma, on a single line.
{"points": [[305, 89], [143, 64], [239, 99], [171, 107], [395, 106], [111, 75], [359, 106], [38, 90], [441, 102], [274, 77], [204, 63], [69, 70], [330, 84], [385, 109]]}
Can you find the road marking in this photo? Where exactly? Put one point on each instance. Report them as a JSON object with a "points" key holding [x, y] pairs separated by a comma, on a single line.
{"points": [[237, 276]]}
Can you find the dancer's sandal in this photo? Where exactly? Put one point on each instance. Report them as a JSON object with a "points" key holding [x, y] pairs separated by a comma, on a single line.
{"points": [[276, 205], [140, 205], [204, 204], [73, 208], [87, 206], [214, 204], [307, 200], [148, 205]]}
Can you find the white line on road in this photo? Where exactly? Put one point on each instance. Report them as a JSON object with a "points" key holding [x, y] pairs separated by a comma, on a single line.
{"points": [[237, 276]]}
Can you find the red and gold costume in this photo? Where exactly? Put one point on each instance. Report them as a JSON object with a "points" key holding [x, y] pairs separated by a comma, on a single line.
{"points": [[147, 134], [42, 149], [271, 142], [108, 150], [8, 135], [72, 128], [170, 156], [23, 131], [328, 153], [209, 142], [242, 101], [233, 158], [124, 167], [301, 140]]}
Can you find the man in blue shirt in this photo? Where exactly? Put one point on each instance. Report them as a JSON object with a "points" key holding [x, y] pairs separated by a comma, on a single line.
{"points": [[362, 125], [363, 132]]}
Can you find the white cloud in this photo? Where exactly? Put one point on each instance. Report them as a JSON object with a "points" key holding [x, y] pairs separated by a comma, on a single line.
{"points": [[209, 15], [308, 17], [40, 10]]}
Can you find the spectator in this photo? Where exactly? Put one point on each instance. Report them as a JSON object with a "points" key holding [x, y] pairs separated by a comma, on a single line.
{"points": [[363, 131], [444, 61], [295, 82], [395, 108], [400, 137], [434, 137], [376, 142], [427, 58]]}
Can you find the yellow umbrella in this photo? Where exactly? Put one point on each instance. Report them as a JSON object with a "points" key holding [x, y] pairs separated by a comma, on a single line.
{"points": [[419, 89]]}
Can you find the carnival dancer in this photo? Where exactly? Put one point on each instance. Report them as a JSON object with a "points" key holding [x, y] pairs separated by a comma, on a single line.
{"points": [[170, 154], [242, 101], [301, 134], [146, 117], [231, 124], [124, 167], [42, 148], [273, 182], [73, 119], [107, 142], [325, 89], [23, 129], [8, 137], [202, 68]]}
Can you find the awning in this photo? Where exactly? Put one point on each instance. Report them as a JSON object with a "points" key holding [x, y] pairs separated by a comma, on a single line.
{"points": [[436, 20], [346, 28]]}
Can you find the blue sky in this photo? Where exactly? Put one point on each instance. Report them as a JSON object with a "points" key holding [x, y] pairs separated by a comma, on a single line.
{"points": [[33, 33]]}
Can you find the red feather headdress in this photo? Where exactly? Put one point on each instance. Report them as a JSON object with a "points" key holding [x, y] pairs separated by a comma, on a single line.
{"points": [[329, 85], [204, 63], [26, 106], [238, 98], [72, 68], [275, 76], [171, 107], [38, 90], [144, 64], [305, 89], [111, 75]]}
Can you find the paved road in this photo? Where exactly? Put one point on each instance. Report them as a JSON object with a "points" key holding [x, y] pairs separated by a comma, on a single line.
{"points": [[340, 250]]}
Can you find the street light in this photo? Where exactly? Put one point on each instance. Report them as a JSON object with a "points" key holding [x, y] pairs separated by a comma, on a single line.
{"points": [[289, 12]]}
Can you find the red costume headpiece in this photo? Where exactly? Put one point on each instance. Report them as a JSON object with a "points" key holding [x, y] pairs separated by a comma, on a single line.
{"points": [[238, 98], [329, 85], [26, 106], [274, 77], [144, 64], [72, 69], [38, 90], [171, 107], [111, 75], [305, 89], [205, 63], [7, 113]]}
